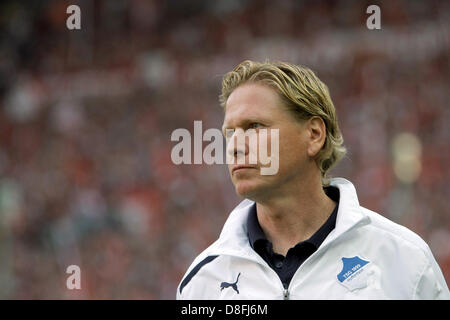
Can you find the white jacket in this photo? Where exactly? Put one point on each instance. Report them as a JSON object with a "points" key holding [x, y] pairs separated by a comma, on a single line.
{"points": [[366, 256]]}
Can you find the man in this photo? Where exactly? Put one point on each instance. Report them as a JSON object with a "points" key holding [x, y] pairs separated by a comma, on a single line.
{"points": [[298, 234]]}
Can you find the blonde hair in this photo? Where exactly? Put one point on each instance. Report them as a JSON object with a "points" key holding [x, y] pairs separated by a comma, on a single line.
{"points": [[304, 95]]}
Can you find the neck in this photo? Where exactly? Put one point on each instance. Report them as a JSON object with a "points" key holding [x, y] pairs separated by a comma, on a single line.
{"points": [[291, 217]]}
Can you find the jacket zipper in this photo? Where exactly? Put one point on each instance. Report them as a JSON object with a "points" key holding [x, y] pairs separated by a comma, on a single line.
{"points": [[286, 294]]}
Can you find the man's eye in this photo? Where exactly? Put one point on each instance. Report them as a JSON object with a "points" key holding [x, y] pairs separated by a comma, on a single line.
{"points": [[228, 133], [255, 125]]}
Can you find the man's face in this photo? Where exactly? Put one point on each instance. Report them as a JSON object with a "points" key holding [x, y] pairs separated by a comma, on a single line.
{"points": [[256, 106]]}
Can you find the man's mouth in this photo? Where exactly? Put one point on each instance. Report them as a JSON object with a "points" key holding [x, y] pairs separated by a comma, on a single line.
{"points": [[240, 168]]}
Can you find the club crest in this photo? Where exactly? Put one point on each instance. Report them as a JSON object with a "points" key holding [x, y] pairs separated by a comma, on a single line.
{"points": [[354, 273]]}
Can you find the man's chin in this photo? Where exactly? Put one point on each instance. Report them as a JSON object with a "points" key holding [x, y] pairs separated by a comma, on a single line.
{"points": [[248, 190]]}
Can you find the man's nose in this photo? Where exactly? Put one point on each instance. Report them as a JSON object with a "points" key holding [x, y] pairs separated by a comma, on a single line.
{"points": [[237, 145]]}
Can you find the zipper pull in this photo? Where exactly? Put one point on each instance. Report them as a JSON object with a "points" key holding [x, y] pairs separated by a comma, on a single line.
{"points": [[286, 294]]}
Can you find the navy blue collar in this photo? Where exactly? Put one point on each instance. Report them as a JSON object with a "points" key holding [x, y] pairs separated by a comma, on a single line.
{"points": [[256, 234]]}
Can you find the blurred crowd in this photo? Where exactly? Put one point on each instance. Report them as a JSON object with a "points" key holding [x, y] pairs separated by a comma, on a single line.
{"points": [[86, 116]]}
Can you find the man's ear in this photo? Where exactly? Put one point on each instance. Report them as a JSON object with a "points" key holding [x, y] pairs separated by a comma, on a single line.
{"points": [[317, 133]]}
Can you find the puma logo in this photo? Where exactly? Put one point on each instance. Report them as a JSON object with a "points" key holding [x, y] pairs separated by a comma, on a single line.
{"points": [[224, 285]]}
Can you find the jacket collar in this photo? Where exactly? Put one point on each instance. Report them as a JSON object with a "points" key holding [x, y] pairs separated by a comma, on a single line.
{"points": [[350, 213], [233, 239]]}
